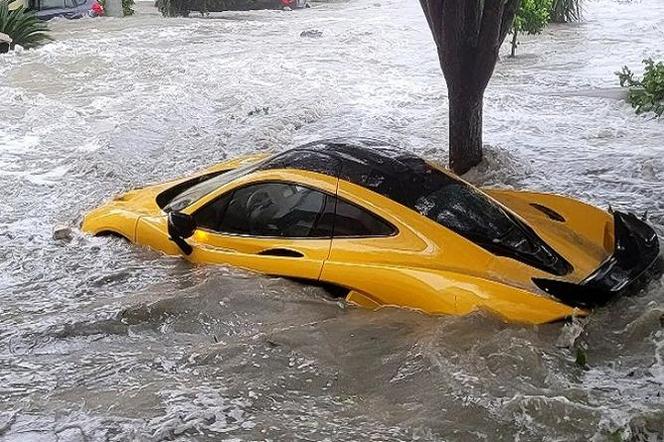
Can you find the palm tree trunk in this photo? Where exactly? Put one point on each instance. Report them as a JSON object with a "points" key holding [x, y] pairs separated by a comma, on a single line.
{"points": [[465, 130]]}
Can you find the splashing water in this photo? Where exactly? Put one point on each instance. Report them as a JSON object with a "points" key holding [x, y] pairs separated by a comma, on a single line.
{"points": [[101, 340]]}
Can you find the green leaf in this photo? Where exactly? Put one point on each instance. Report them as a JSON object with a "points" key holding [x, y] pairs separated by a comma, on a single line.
{"points": [[565, 11], [24, 28], [646, 94]]}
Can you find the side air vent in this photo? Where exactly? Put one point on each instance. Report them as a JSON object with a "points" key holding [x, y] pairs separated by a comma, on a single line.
{"points": [[552, 214]]}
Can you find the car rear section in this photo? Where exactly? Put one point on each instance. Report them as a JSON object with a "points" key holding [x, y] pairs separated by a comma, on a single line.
{"points": [[608, 251]]}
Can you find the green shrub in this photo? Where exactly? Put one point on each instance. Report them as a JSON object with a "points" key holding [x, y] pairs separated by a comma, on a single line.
{"points": [[647, 94], [565, 11], [127, 7], [24, 28], [531, 18]]}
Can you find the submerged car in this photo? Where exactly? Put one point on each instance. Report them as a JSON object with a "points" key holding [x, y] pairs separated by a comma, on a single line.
{"points": [[171, 8], [387, 228], [71, 9]]}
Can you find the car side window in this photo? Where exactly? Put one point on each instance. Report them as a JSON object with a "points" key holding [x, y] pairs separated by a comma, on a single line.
{"points": [[266, 209], [51, 4], [210, 216], [353, 221]]}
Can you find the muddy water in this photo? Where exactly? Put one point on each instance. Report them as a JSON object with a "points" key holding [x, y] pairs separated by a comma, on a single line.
{"points": [[100, 340]]}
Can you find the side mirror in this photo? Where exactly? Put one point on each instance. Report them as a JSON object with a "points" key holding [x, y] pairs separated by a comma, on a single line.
{"points": [[181, 226]]}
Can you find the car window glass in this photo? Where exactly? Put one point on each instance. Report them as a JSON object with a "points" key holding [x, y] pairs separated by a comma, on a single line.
{"points": [[51, 4], [198, 191], [268, 209], [210, 216], [351, 220]]}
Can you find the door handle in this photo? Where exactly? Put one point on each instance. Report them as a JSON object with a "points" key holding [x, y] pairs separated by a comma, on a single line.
{"points": [[289, 253]]}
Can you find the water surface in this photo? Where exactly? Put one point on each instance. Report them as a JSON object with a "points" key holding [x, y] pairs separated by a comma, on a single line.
{"points": [[101, 340]]}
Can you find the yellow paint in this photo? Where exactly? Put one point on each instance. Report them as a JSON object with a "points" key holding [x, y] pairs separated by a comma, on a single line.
{"points": [[362, 300], [424, 267]]}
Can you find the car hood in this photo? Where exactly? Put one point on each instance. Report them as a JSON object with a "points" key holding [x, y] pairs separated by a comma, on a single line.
{"points": [[145, 201]]}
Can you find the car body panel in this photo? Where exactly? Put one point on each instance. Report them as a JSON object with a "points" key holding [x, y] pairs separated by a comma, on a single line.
{"points": [[586, 235], [441, 292], [422, 265], [249, 253], [120, 216], [71, 9]]}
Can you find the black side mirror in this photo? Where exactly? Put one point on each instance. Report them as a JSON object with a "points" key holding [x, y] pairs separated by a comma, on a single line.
{"points": [[181, 226]]}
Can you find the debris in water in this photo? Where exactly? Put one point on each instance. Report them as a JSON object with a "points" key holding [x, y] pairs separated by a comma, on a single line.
{"points": [[6, 421], [62, 233], [582, 358], [265, 110], [311, 33], [569, 334]]}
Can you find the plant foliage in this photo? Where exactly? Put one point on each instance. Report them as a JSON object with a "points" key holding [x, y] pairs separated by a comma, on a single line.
{"points": [[531, 18], [24, 28], [566, 11], [127, 7], [646, 94]]}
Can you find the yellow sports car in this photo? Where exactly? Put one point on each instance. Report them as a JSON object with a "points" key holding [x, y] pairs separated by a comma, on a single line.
{"points": [[387, 228]]}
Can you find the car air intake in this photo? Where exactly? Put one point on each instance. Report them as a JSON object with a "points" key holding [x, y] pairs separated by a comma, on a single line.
{"points": [[552, 214]]}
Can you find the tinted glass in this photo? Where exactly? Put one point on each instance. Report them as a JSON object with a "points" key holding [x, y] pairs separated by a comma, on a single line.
{"points": [[192, 194], [268, 209], [304, 159], [351, 220], [210, 216], [51, 4], [404, 178]]}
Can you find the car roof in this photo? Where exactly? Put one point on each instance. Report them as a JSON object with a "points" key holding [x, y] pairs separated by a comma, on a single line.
{"points": [[341, 157], [388, 170]]}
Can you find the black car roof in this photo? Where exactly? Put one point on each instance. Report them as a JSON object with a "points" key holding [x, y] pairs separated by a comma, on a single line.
{"points": [[376, 165], [340, 156]]}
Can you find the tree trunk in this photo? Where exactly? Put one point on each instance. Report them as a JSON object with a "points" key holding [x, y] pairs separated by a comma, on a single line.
{"points": [[515, 43], [465, 119], [468, 35]]}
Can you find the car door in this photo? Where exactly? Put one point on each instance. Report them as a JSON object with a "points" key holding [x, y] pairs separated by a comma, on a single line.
{"points": [[380, 256], [271, 227], [362, 243]]}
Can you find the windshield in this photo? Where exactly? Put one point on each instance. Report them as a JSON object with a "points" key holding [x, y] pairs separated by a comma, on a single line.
{"points": [[192, 194]]}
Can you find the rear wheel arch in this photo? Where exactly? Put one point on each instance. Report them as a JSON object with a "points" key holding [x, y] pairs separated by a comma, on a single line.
{"points": [[111, 233]]}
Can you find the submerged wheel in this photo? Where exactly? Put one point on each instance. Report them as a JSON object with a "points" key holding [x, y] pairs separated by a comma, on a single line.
{"points": [[111, 233]]}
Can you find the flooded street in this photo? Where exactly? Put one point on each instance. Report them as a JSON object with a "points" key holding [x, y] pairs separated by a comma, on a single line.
{"points": [[102, 340]]}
